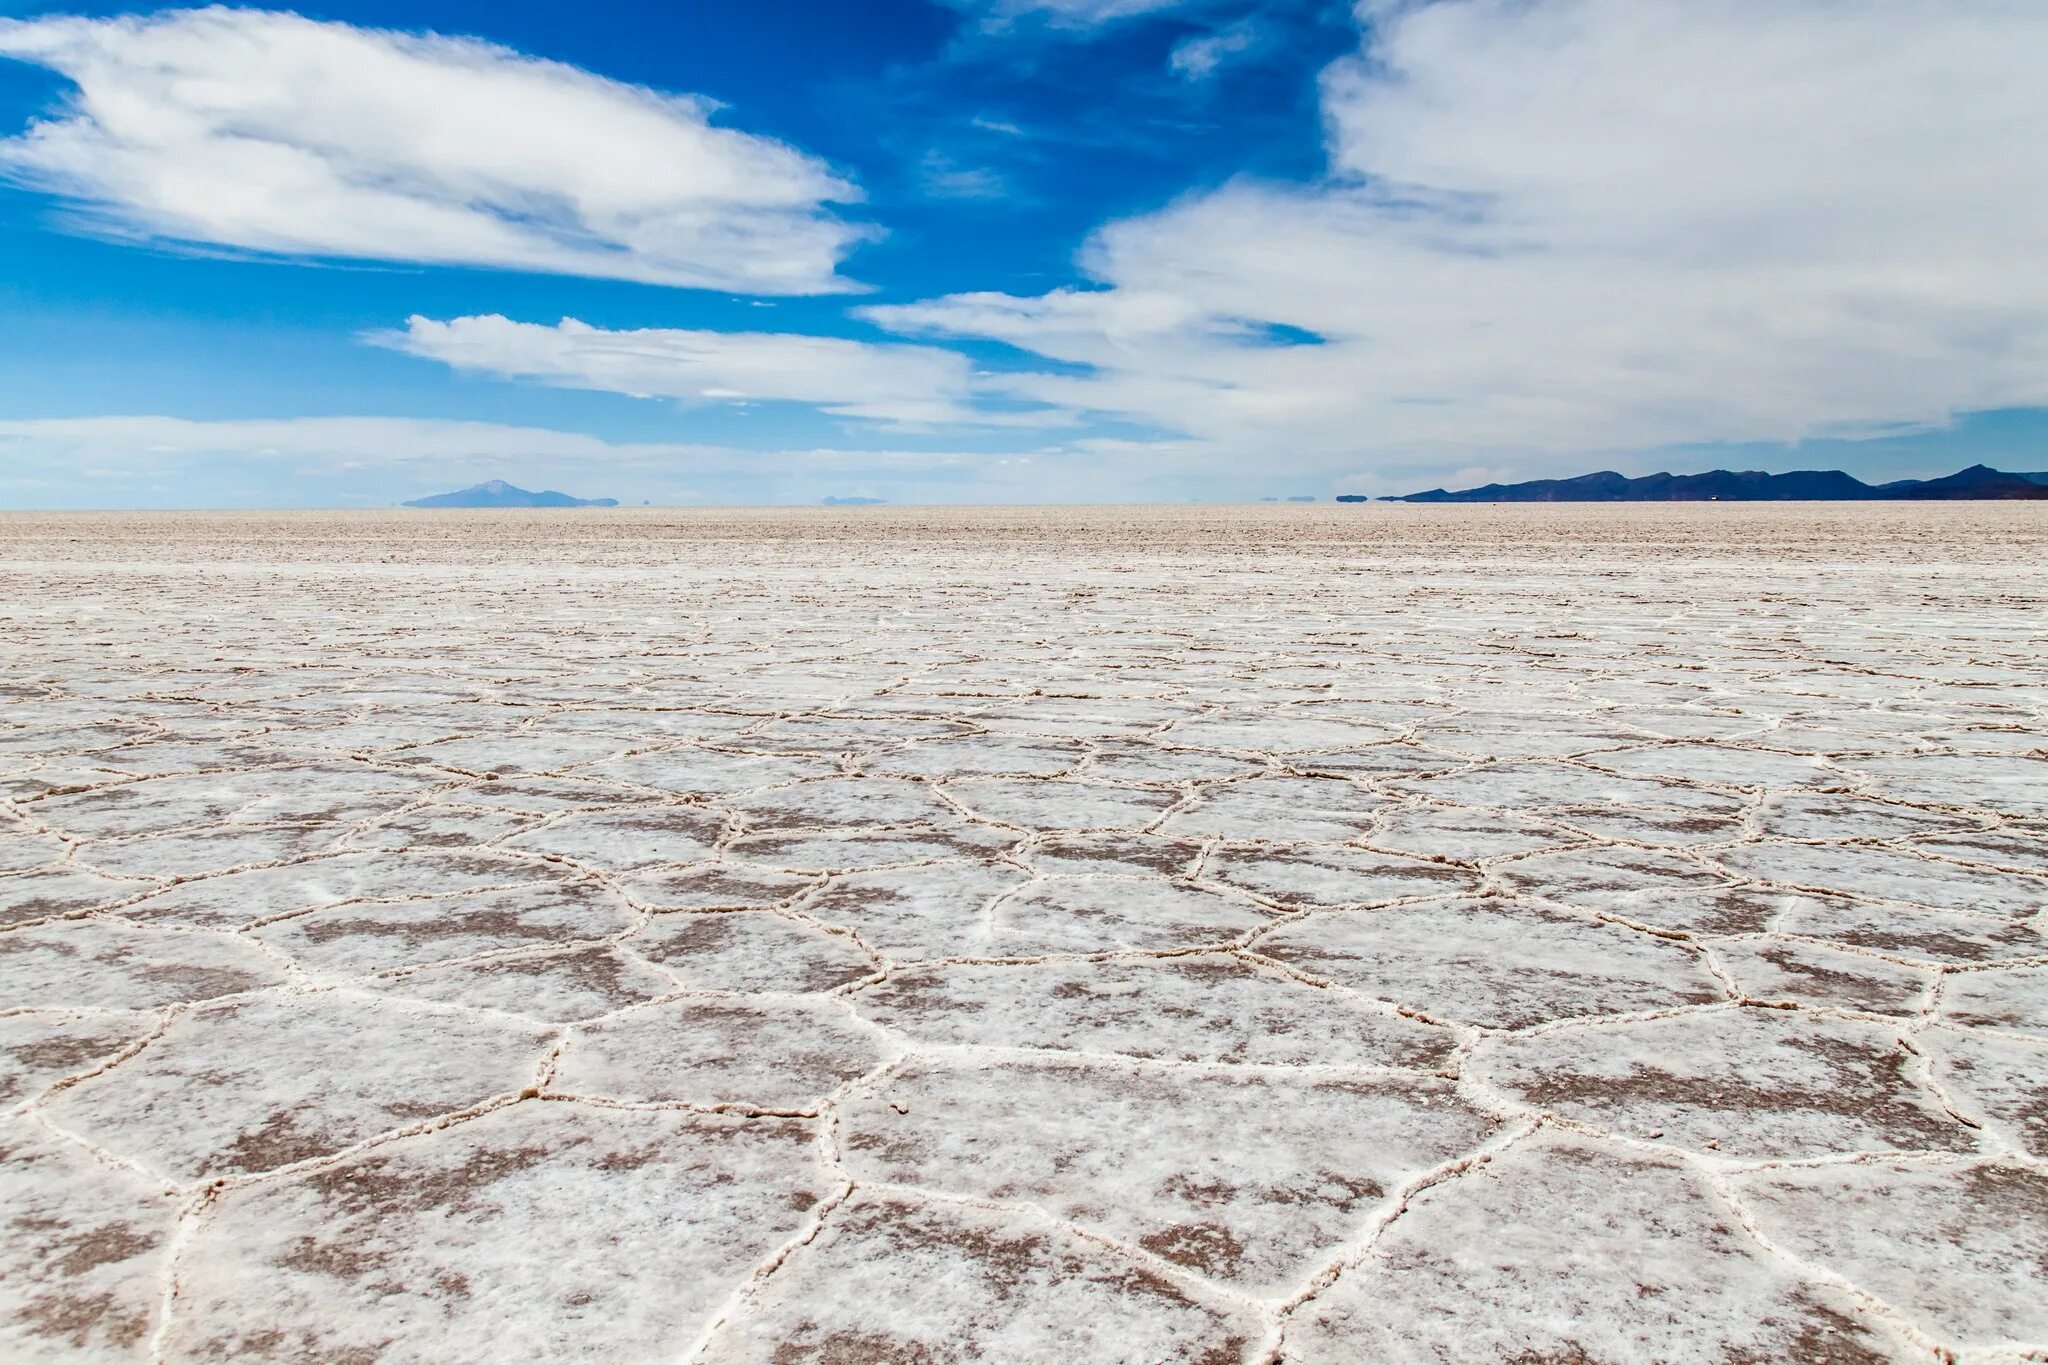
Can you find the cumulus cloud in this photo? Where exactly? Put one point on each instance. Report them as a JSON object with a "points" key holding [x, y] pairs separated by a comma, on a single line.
{"points": [[889, 383], [1568, 225], [276, 134]]}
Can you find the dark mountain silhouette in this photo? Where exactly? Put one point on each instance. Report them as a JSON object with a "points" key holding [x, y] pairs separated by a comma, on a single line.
{"points": [[1749, 485], [498, 493]]}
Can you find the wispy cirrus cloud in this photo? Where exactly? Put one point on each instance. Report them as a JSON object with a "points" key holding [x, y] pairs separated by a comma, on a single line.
{"points": [[889, 383], [1071, 15], [157, 461], [1569, 225], [272, 133]]}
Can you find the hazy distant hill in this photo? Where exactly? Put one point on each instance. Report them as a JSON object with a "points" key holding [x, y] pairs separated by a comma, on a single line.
{"points": [[498, 493], [1749, 485]]}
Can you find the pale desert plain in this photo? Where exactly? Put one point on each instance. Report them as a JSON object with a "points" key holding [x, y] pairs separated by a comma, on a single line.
{"points": [[1302, 934]]}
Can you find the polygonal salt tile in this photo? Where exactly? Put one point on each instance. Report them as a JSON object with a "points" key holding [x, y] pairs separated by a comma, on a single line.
{"points": [[840, 801], [1561, 1250], [625, 840], [1014, 1287], [1195, 1009], [1278, 731], [2003, 1081], [1378, 760], [2012, 998], [920, 912], [22, 850], [544, 1231], [1540, 788], [1764, 1083], [1464, 836], [255, 1084], [713, 886], [1802, 815], [1673, 828], [157, 804], [1615, 880], [1305, 808], [1054, 804], [200, 853], [438, 827], [82, 1265], [1727, 765], [1135, 762], [860, 852], [380, 936], [40, 1047], [978, 756], [45, 894], [642, 725], [1083, 717], [2014, 784], [1641, 710], [1891, 875], [1124, 855], [536, 796], [1247, 1177], [554, 988], [1935, 937], [44, 780], [1493, 963], [784, 1055], [330, 794], [706, 773], [1524, 735], [1098, 915], [108, 964], [841, 734], [751, 951], [520, 752], [235, 899], [1809, 974], [1317, 878], [2022, 850], [1957, 1248]]}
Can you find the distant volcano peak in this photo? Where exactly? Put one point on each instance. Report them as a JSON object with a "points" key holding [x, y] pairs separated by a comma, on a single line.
{"points": [[498, 493]]}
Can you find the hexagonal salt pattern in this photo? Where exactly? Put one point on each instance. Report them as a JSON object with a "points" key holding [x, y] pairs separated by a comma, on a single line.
{"points": [[1302, 935]]}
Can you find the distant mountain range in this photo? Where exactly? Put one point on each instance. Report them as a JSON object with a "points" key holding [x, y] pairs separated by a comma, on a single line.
{"points": [[1978, 482], [498, 493]]}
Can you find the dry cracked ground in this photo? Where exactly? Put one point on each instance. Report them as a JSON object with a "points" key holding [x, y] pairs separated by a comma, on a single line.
{"points": [[1289, 934]]}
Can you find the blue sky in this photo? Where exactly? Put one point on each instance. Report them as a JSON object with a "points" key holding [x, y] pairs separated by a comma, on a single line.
{"points": [[1011, 250]]}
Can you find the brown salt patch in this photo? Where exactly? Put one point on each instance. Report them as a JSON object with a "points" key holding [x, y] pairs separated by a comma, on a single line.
{"points": [[268, 1081], [1563, 1251], [1015, 1290], [1760, 1083]]}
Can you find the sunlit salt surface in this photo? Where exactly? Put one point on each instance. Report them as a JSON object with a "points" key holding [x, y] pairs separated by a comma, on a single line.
{"points": [[1302, 934]]}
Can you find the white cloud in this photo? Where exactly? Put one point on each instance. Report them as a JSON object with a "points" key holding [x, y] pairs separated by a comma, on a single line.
{"points": [[275, 134], [1197, 58], [890, 383], [328, 461], [104, 444], [1061, 14], [1572, 225]]}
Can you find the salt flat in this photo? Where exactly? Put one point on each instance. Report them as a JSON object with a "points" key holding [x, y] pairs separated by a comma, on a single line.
{"points": [[1304, 934]]}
